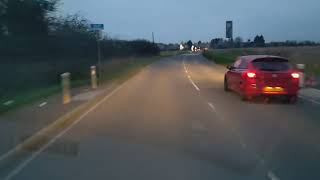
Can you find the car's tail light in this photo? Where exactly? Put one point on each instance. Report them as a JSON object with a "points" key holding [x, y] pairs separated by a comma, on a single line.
{"points": [[251, 75], [295, 75]]}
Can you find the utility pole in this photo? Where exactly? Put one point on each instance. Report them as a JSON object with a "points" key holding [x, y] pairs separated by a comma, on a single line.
{"points": [[98, 29], [99, 58], [153, 37]]}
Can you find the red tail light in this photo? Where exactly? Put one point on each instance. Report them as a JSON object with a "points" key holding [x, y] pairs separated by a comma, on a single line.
{"points": [[295, 75], [251, 75]]}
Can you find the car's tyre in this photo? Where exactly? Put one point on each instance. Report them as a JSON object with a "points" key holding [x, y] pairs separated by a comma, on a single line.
{"points": [[292, 99], [226, 86], [244, 97]]}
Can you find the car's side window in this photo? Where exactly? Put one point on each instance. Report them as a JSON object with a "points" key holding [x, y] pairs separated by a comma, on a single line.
{"points": [[243, 64], [237, 63]]}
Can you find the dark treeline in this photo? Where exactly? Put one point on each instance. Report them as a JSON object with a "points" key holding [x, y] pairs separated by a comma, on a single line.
{"points": [[258, 41], [29, 28], [37, 45]]}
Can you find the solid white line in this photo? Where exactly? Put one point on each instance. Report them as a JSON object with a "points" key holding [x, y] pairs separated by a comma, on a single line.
{"points": [[195, 86], [44, 147], [272, 176], [185, 68], [311, 100], [212, 107], [42, 104]]}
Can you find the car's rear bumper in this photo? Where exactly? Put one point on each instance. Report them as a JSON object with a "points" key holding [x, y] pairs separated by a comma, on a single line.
{"points": [[256, 91]]}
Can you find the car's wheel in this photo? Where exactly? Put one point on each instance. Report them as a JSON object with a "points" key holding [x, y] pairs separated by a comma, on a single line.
{"points": [[226, 86], [292, 99], [244, 97]]}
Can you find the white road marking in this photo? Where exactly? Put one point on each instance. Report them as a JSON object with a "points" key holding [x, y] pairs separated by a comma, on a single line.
{"points": [[21, 166], [195, 86], [43, 104], [185, 68], [311, 100], [272, 176], [212, 107]]}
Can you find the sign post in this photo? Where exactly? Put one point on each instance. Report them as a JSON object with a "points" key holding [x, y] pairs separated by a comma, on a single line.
{"points": [[301, 68], [229, 30], [98, 28]]}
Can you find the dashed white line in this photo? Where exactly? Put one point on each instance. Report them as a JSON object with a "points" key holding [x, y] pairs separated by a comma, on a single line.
{"points": [[212, 107], [185, 68], [195, 86], [272, 176], [189, 77], [43, 104]]}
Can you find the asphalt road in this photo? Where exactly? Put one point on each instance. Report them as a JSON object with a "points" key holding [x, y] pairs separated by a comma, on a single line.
{"points": [[174, 121]]}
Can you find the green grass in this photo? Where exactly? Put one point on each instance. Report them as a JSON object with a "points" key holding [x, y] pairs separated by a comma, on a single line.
{"points": [[313, 69], [224, 57], [21, 98], [113, 70]]}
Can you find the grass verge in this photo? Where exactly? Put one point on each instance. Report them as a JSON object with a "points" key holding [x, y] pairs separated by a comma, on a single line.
{"points": [[226, 57]]}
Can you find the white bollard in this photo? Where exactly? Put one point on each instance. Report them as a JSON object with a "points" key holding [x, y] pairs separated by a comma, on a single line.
{"points": [[65, 82], [94, 83], [301, 68]]}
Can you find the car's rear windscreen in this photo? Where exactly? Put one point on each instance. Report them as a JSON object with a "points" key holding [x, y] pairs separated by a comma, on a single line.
{"points": [[271, 64]]}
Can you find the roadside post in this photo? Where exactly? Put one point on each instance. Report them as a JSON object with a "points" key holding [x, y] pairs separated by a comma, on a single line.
{"points": [[301, 68], [94, 83], [66, 95], [98, 29]]}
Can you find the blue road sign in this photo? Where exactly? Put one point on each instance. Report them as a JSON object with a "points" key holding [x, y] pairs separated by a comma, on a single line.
{"points": [[96, 27]]}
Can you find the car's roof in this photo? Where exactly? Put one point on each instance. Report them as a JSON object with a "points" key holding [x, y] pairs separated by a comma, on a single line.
{"points": [[254, 57]]}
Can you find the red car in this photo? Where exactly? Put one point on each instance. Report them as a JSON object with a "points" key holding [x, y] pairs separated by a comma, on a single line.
{"points": [[257, 75]]}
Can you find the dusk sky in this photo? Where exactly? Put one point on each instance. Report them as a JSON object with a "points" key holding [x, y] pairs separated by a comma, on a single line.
{"points": [[181, 20]]}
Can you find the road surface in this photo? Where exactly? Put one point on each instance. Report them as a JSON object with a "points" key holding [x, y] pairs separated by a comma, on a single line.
{"points": [[174, 121]]}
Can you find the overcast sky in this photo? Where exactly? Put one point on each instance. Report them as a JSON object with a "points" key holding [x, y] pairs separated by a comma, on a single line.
{"points": [[181, 20]]}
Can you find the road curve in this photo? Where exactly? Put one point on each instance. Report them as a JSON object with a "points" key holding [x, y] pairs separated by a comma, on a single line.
{"points": [[174, 121]]}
